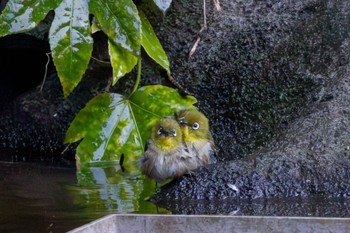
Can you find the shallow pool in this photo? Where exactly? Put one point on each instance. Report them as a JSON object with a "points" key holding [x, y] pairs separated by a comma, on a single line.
{"points": [[35, 198]]}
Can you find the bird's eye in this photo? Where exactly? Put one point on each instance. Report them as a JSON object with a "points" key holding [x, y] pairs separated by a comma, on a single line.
{"points": [[173, 132], [159, 132], [195, 126]]}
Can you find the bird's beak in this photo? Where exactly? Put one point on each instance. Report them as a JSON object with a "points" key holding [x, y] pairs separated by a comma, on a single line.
{"points": [[164, 132], [167, 133]]}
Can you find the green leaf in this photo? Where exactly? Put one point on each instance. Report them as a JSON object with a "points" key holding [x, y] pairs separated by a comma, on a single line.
{"points": [[122, 61], [152, 45], [105, 116], [111, 124], [120, 21], [23, 15], [71, 42]]}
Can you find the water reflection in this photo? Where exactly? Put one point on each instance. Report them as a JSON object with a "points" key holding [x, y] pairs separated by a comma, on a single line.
{"points": [[108, 186], [34, 198], [316, 206]]}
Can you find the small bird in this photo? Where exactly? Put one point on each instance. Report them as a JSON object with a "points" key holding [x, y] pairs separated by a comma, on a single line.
{"points": [[166, 157], [196, 135]]}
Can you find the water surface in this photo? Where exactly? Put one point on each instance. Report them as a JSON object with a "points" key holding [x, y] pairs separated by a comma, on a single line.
{"points": [[35, 198]]}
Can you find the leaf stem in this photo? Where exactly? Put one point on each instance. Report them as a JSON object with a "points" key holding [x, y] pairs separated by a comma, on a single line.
{"points": [[138, 77]]}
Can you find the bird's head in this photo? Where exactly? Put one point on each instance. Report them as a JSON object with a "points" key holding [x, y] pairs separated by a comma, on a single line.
{"points": [[194, 124], [166, 133]]}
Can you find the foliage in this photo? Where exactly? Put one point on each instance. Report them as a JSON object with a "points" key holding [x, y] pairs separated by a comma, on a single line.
{"points": [[110, 124], [70, 34]]}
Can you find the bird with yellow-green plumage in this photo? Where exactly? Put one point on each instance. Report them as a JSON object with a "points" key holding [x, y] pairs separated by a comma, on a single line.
{"points": [[178, 145], [196, 135]]}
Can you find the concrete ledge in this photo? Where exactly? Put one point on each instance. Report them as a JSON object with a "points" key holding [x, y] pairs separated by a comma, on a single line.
{"points": [[130, 223]]}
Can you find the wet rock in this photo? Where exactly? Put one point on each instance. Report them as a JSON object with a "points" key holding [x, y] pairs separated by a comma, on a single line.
{"points": [[311, 157], [279, 73], [259, 66]]}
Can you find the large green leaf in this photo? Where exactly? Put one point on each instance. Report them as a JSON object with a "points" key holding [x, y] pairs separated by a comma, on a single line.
{"points": [[120, 21], [71, 42], [23, 15], [152, 45], [122, 61], [104, 116], [111, 124], [70, 34]]}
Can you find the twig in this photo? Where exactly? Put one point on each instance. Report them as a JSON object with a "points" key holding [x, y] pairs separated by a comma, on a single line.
{"points": [[204, 17], [104, 62], [217, 5], [194, 47], [46, 67], [205, 26]]}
